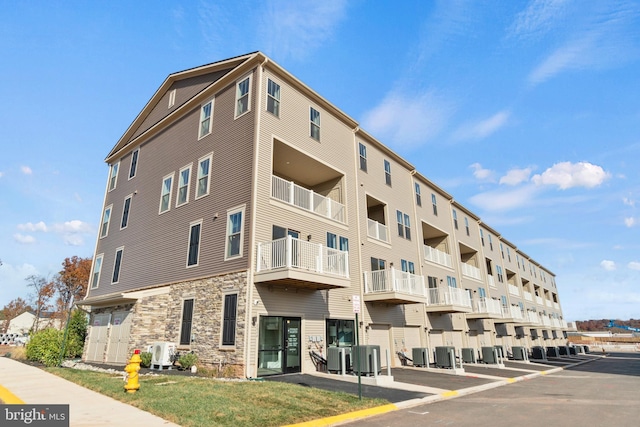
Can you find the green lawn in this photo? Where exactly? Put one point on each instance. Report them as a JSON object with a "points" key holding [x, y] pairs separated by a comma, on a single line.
{"points": [[198, 402]]}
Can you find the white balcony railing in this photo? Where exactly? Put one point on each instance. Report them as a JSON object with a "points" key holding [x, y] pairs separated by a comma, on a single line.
{"points": [[513, 289], [288, 253], [546, 321], [539, 300], [470, 271], [527, 296], [488, 305], [556, 306], [306, 199], [491, 281], [555, 322], [437, 256], [449, 296], [377, 230], [392, 280], [513, 312], [533, 317]]}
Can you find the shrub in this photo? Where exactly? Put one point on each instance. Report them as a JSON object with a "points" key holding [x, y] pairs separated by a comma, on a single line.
{"points": [[77, 334], [188, 360], [44, 346], [145, 356]]}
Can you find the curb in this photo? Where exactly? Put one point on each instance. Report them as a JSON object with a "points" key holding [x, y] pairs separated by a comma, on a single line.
{"points": [[349, 416]]}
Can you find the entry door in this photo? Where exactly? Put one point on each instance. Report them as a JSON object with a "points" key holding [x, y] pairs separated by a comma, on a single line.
{"points": [[119, 337], [279, 345]]}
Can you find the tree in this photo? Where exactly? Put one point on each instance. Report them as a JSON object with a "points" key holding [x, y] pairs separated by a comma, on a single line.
{"points": [[11, 310], [42, 290], [71, 283]]}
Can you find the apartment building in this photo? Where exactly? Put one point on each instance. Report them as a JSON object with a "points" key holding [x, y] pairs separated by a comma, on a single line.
{"points": [[244, 216]]}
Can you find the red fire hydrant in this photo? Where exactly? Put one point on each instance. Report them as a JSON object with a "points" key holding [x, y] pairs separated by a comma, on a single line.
{"points": [[132, 369]]}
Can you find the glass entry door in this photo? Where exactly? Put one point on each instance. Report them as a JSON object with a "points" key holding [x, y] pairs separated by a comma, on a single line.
{"points": [[279, 345]]}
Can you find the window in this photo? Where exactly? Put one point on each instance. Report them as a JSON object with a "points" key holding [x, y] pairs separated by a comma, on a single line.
{"points": [[451, 281], [466, 225], [432, 282], [503, 298], [234, 233], [229, 319], [363, 157], [106, 217], [500, 275], [116, 265], [340, 333], [273, 98], [194, 243], [418, 196], [482, 237], [315, 123], [172, 98], [482, 293], [455, 219], [97, 267], [434, 204], [187, 320], [242, 96], [407, 266], [502, 250], [183, 185], [378, 264], [205, 119], [134, 163], [400, 222], [165, 194], [125, 212], [204, 164], [113, 176], [490, 243], [404, 225], [344, 244], [332, 241], [407, 227], [387, 172]]}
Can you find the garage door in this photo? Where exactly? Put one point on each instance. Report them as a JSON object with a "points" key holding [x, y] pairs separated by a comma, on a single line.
{"points": [[119, 337], [379, 335], [98, 337]]}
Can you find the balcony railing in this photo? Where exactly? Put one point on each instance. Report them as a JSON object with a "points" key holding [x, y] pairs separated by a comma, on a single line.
{"points": [[512, 312], [533, 317], [546, 321], [470, 271], [513, 289], [392, 280], [306, 199], [488, 305], [556, 306], [527, 296], [290, 253], [539, 300], [377, 230], [491, 281], [449, 296], [437, 256], [556, 323]]}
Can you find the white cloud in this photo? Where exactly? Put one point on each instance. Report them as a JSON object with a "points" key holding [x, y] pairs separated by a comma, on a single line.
{"points": [[24, 238], [1, 174], [74, 226], [537, 18], [481, 173], [628, 202], [567, 175], [501, 200], [407, 120], [26, 170], [634, 265], [482, 128], [29, 226], [516, 176], [608, 265], [630, 222]]}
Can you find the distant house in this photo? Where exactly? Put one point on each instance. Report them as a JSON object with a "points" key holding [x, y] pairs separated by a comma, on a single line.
{"points": [[25, 322]]}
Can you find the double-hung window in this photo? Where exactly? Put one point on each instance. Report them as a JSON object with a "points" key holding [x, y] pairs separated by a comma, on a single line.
{"points": [[229, 319], [134, 163], [404, 225], [418, 196], [500, 274], [273, 98], [332, 241], [466, 225], [242, 96], [455, 219], [314, 118], [204, 166], [116, 265], [125, 212], [187, 320], [407, 266], [235, 228], [97, 268], [106, 218], [183, 185], [387, 172], [434, 203], [451, 281], [194, 243], [165, 193], [362, 149], [113, 176], [206, 112]]}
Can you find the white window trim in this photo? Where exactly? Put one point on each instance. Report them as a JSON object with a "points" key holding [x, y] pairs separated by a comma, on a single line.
{"points": [[115, 166], [224, 295], [115, 257], [101, 258], [182, 300], [191, 224], [164, 178], [187, 167], [124, 203], [172, 98], [135, 172], [312, 123], [274, 98], [210, 157], [106, 233], [226, 234], [249, 77], [201, 135]]}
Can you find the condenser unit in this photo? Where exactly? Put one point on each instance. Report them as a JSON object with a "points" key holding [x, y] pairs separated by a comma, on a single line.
{"points": [[162, 355]]}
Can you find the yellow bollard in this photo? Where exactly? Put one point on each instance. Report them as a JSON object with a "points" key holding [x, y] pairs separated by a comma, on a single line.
{"points": [[133, 384]]}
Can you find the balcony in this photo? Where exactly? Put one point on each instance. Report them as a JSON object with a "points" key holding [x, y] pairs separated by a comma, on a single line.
{"points": [[491, 281], [513, 289], [448, 300], [470, 271], [530, 318], [486, 308], [437, 256], [512, 314], [527, 296], [298, 263], [377, 231], [556, 306], [539, 300], [308, 200], [394, 287], [546, 321]]}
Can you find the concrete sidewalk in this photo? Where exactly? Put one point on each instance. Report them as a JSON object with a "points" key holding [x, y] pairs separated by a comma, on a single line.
{"points": [[21, 383]]}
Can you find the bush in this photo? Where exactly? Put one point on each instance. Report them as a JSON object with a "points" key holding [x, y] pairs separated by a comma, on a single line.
{"points": [[145, 356], [44, 346], [188, 360], [77, 334]]}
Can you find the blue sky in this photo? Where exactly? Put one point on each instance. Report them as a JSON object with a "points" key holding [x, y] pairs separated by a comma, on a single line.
{"points": [[527, 112]]}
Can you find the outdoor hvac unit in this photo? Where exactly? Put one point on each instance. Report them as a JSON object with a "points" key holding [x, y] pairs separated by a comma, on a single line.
{"points": [[538, 353], [162, 355], [500, 351], [334, 359], [445, 357], [489, 355], [553, 352], [563, 350], [519, 353], [420, 356], [366, 354], [468, 355]]}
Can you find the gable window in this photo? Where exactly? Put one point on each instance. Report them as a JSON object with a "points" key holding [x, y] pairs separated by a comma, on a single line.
{"points": [[204, 164], [242, 97], [315, 123], [387, 172], [97, 268], [187, 320], [125, 212], [362, 149], [205, 119], [273, 98], [106, 218], [134, 163], [229, 319], [172, 98], [116, 265], [434, 204], [466, 225], [502, 250], [183, 185], [194, 243], [455, 219], [234, 233], [418, 196], [165, 194], [113, 176]]}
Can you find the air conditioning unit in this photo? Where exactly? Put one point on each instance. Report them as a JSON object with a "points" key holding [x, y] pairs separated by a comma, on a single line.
{"points": [[162, 355]]}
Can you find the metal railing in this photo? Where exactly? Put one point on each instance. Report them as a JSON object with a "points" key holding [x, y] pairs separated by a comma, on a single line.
{"points": [[306, 199], [377, 230], [437, 256], [392, 280], [449, 296], [470, 271], [488, 305]]}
